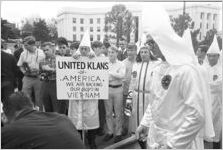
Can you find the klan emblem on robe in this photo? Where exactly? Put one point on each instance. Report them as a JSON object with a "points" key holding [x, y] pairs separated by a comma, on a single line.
{"points": [[166, 81]]}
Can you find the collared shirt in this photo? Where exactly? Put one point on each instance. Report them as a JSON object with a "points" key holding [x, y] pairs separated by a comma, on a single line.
{"points": [[128, 64], [50, 62], [32, 59], [116, 72]]}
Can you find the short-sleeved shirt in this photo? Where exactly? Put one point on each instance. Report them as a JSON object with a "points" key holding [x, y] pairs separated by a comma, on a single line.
{"points": [[32, 59]]}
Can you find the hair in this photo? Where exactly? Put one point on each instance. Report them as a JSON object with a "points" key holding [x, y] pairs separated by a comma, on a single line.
{"points": [[29, 40], [75, 45], [46, 44], [152, 58], [62, 41], [106, 44], [15, 102], [131, 46], [114, 48], [204, 48], [96, 44]]}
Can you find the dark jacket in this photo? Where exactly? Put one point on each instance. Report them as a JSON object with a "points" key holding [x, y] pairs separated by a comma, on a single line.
{"points": [[40, 130], [9, 69]]}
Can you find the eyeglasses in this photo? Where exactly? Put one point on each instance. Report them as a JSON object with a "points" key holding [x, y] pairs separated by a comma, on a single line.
{"points": [[62, 47]]}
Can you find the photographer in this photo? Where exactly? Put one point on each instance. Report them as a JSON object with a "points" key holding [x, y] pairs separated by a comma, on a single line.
{"points": [[29, 65], [48, 76]]}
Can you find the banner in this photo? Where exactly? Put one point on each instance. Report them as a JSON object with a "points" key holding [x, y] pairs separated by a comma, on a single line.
{"points": [[82, 79]]}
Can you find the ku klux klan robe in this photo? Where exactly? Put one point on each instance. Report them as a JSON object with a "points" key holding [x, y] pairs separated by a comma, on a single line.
{"points": [[84, 113], [139, 87], [179, 114], [215, 83]]}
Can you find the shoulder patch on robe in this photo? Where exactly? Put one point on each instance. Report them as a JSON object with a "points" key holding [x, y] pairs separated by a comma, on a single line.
{"points": [[215, 77], [166, 81]]}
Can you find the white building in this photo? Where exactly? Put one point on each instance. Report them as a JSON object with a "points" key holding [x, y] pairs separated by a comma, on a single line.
{"points": [[205, 17], [72, 22]]}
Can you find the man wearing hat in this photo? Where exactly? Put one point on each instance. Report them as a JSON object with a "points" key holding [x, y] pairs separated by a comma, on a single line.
{"points": [[29, 65], [178, 115], [214, 68]]}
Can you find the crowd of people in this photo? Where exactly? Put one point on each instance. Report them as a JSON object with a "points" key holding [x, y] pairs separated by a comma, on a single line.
{"points": [[167, 98]]}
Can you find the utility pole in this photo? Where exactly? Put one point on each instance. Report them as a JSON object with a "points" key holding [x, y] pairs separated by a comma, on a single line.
{"points": [[183, 22]]}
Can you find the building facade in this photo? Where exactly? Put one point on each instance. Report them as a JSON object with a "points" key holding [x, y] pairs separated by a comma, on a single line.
{"points": [[73, 22], [205, 17]]}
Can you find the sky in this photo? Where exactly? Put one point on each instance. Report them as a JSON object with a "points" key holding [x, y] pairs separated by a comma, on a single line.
{"points": [[15, 11]]}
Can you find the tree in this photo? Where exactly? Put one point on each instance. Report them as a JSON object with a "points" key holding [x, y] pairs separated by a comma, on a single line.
{"points": [[209, 37], [8, 30], [219, 42], [41, 31], [181, 23], [51, 24], [119, 21], [27, 29]]}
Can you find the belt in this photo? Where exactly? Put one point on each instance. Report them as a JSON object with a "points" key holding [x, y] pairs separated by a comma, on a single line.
{"points": [[115, 86], [141, 91], [32, 76]]}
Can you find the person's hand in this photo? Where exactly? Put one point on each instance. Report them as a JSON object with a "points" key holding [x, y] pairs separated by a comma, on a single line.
{"points": [[91, 54], [76, 55], [141, 133], [47, 68]]}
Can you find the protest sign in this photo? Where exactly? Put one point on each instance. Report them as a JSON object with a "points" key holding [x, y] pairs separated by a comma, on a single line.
{"points": [[82, 79]]}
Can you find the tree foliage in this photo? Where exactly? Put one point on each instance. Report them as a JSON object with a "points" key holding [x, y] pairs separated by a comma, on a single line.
{"points": [[195, 42], [27, 29], [8, 31], [41, 31], [181, 23], [119, 21]]}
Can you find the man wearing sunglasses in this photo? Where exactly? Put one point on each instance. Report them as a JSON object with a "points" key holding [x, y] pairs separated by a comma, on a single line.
{"points": [[29, 65]]}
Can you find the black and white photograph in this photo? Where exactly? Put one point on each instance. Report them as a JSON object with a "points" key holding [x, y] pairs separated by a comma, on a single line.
{"points": [[111, 74]]}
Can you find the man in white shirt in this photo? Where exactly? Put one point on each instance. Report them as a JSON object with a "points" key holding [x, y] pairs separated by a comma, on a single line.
{"points": [[29, 65], [116, 74]]}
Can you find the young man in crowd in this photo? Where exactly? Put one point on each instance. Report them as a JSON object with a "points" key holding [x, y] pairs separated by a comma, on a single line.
{"points": [[116, 75], [129, 61], [74, 47], [18, 50], [29, 65], [48, 78], [97, 47], [201, 54], [30, 129]]}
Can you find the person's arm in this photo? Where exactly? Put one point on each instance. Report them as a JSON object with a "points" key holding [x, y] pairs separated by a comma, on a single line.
{"points": [[194, 119], [120, 72]]}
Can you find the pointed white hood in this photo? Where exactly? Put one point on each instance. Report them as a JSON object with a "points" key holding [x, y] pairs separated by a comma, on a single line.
{"points": [[156, 22], [214, 48], [187, 38], [85, 41]]}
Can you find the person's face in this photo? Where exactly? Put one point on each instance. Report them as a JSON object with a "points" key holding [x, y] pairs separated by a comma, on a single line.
{"points": [[48, 50], [63, 49], [213, 59], [131, 52], [84, 50], [112, 54], [98, 51], [30, 47], [145, 55], [200, 54]]}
